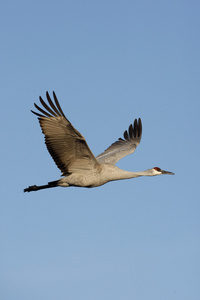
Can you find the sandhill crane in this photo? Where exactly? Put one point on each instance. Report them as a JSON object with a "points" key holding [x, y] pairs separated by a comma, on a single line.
{"points": [[74, 158]]}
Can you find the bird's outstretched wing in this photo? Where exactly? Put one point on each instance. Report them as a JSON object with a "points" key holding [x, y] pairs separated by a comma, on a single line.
{"points": [[123, 147], [66, 145]]}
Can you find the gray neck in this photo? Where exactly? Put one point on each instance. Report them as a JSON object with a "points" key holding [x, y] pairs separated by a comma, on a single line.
{"points": [[122, 174], [128, 174]]}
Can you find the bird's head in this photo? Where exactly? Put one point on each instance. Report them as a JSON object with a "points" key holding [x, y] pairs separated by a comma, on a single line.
{"points": [[158, 171]]}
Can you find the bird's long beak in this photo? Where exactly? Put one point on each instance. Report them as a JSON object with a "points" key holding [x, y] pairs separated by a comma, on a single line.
{"points": [[167, 172]]}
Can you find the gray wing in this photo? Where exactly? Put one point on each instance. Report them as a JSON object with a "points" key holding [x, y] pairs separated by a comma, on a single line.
{"points": [[123, 147], [66, 145]]}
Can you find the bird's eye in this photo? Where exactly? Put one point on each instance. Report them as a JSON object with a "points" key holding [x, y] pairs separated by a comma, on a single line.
{"points": [[157, 169]]}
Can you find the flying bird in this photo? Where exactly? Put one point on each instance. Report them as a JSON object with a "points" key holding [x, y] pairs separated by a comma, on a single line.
{"points": [[74, 158]]}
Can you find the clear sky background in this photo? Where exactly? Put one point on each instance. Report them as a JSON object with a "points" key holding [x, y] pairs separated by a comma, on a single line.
{"points": [[109, 62]]}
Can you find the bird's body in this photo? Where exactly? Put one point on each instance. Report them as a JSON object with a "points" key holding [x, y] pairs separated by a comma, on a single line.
{"points": [[74, 158], [100, 175]]}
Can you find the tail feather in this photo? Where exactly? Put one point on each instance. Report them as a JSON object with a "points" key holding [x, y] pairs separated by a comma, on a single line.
{"points": [[50, 184]]}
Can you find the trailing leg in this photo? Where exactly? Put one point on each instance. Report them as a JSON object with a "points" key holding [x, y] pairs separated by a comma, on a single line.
{"points": [[41, 187]]}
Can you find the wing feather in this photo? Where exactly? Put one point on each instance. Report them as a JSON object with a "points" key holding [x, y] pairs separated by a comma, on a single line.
{"points": [[123, 147], [52, 113], [58, 105], [66, 145]]}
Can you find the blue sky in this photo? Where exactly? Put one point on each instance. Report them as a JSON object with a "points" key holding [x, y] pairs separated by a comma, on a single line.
{"points": [[109, 62]]}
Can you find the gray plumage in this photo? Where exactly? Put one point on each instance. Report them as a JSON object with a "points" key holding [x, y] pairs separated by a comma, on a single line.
{"points": [[74, 158]]}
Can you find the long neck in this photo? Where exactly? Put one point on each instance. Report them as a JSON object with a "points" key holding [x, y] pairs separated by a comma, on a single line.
{"points": [[127, 174], [116, 173]]}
